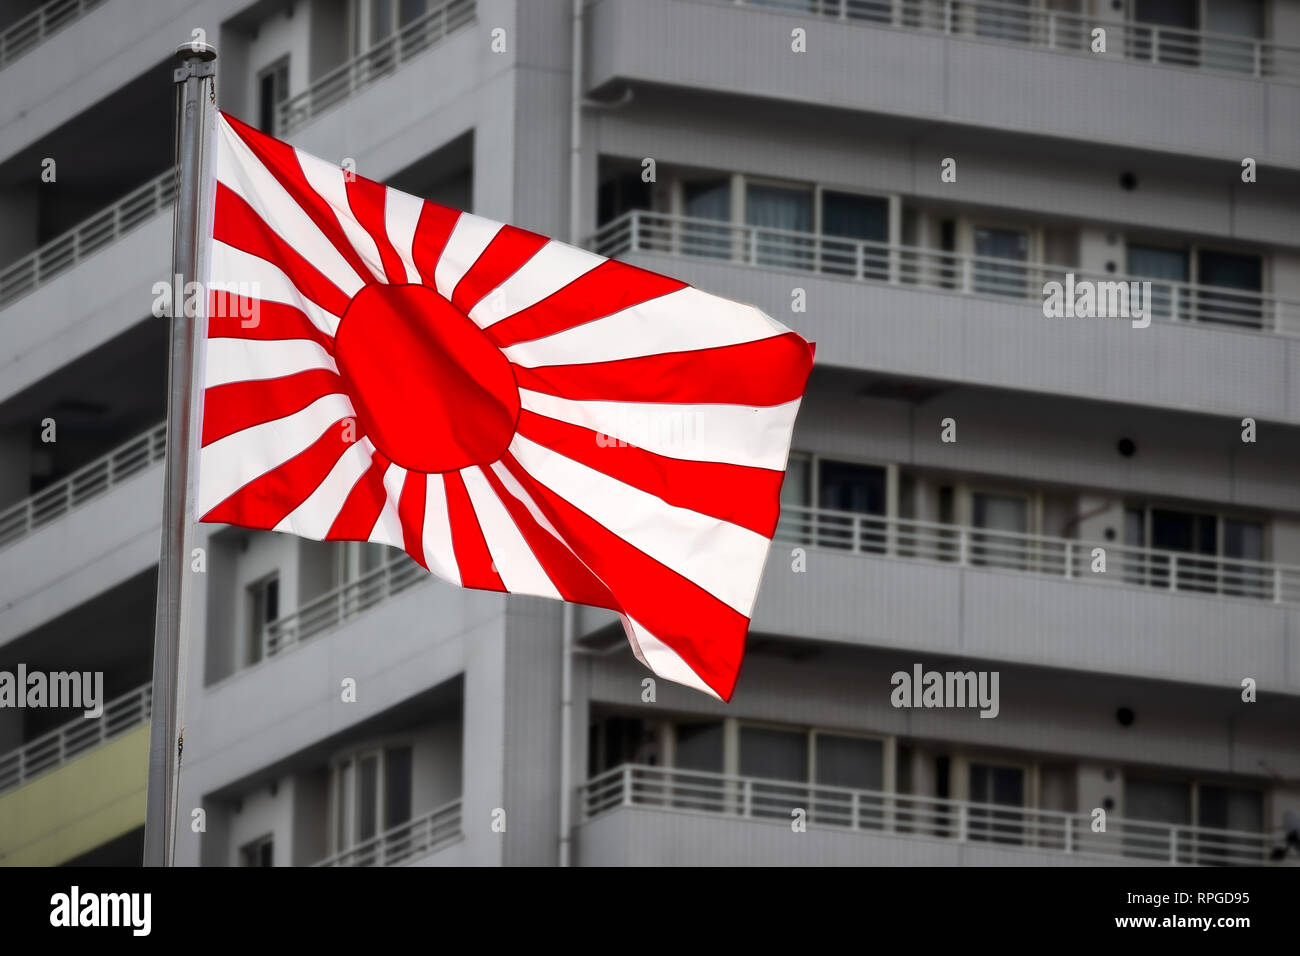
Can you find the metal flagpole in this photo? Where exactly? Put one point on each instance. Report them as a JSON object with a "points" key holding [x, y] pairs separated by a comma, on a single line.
{"points": [[195, 78]]}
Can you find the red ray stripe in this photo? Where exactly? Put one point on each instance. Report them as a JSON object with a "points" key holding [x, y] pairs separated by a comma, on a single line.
{"points": [[356, 519], [771, 371], [367, 199], [610, 287], [431, 233], [706, 633], [269, 320], [509, 249], [571, 577], [281, 161], [745, 496], [238, 405], [410, 509], [467, 539], [266, 500], [237, 224]]}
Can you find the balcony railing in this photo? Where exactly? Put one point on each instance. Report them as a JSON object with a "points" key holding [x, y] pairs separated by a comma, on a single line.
{"points": [[842, 809], [52, 750], [1178, 571], [58, 255], [396, 574], [381, 60], [1059, 31], [406, 841], [868, 261], [39, 25], [87, 482]]}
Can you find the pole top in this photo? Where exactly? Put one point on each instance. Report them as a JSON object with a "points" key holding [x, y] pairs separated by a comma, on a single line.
{"points": [[196, 50]]}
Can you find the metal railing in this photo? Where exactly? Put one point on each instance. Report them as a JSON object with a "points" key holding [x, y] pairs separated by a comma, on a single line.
{"points": [[108, 225], [406, 841], [39, 25], [1179, 571], [909, 815], [52, 750], [381, 60], [869, 261], [396, 574], [87, 482], [1026, 25]]}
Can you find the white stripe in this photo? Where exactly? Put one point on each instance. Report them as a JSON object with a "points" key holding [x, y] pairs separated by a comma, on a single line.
{"points": [[227, 465], [314, 517], [250, 360], [515, 488], [401, 216], [439, 553], [661, 658], [551, 268], [515, 562], [235, 270], [330, 185], [465, 244], [388, 526], [722, 558], [240, 169], [680, 321], [757, 436]]}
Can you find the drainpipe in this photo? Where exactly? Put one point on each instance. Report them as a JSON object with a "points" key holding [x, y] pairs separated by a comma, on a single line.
{"points": [[568, 618]]}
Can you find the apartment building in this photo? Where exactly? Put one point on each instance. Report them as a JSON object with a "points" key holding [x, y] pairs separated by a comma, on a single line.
{"points": [[1105, 513]]}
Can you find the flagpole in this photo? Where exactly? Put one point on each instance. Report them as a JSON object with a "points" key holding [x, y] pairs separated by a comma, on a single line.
{"points": [[195, 79]]}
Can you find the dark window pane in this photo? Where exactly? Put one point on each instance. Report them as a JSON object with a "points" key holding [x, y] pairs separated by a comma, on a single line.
{"points": [[699, 747], [397, 786]]}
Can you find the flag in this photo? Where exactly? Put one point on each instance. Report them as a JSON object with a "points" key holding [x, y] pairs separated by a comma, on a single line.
{"points": [[517, 414]]}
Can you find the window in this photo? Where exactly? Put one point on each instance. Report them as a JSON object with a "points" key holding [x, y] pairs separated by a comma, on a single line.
{"points": [[773, 755], [699, 747], [1217, 806], [856, 763], [708, 199], [261, 852], [848, 487], [372, 793], [1002, 787], [1173, 40], [999, 513], [272, 90], [264, 609], [776, 212], [1156, 263], [1226, 270], [1003, 22], [993, 278], [1228, 551], [859, 219]]}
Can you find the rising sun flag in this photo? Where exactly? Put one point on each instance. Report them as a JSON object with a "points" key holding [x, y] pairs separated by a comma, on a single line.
{"points": [[516, 414]]}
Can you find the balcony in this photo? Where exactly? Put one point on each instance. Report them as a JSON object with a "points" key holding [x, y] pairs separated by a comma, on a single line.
{"points": [[1065, 558], [380, 61], [1060, 32], [83, 535], [907, 310], [53, 750], [406, 844], [641, 815], [73, 247], [37, 27], [343, 603], [973, 593], [76, 788], [988, 66], [88, 482]]}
